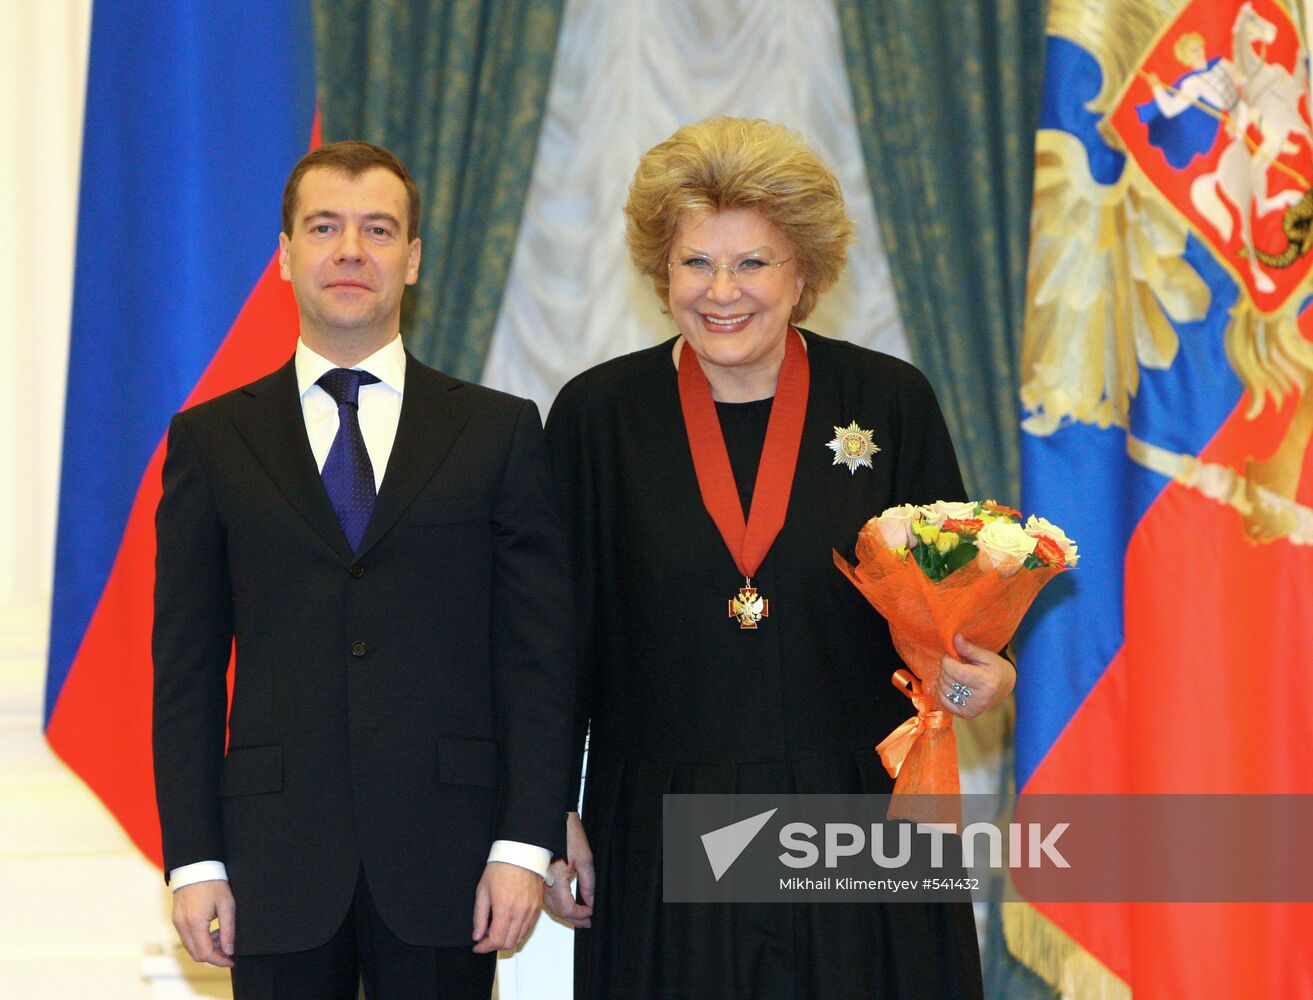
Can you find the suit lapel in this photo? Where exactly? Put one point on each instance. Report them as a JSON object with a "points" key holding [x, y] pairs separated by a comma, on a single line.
{"points": [[431, 420], [273, 427]]}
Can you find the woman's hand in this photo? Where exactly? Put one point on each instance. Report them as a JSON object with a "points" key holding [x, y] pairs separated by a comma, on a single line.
{"points": [[987, 676], [578, 864]]}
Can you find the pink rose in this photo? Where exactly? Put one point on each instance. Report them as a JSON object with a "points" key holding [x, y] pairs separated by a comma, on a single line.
{"points": [[895, 526]]}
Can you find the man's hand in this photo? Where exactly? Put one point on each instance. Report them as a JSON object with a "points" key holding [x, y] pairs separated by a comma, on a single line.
{"points": [[506, 904], [578, 863], [195, 907]]}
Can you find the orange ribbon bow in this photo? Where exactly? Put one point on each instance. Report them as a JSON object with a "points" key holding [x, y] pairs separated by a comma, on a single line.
{"points": [[894, 748]]}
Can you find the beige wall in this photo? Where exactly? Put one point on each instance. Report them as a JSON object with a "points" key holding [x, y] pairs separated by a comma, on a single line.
{"points": [[79, 901]]}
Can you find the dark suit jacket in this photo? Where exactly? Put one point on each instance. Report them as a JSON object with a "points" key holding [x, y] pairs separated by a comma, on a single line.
{"points": [[400, 707]]}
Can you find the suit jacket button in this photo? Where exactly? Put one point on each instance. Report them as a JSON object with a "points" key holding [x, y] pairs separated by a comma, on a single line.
{"points": [[358, 648], [357, 571]]}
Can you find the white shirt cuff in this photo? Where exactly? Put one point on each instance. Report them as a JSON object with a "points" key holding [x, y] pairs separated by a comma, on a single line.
{"points": [[536, 859], [201, 871]]}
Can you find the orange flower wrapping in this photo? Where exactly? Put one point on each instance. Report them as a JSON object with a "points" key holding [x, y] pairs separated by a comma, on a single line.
{"points": [[984, 605]]}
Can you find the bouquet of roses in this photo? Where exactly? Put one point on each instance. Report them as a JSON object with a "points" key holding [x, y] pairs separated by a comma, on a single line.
{"points": [[935, 571]]}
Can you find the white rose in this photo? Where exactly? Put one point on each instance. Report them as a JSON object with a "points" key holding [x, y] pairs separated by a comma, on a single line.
{"points": [[942, 510], [1003, 546], [895, 526], [1036, 526]]}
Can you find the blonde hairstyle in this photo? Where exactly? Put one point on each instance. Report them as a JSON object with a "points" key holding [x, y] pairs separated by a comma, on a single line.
{"points": [[739, 163]]}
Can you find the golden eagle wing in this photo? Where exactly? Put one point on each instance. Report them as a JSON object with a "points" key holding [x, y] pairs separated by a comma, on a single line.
{"points": [[1106, 272]]}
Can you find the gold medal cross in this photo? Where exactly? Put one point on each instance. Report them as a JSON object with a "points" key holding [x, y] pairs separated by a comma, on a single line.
{"points": [[748, 607]]}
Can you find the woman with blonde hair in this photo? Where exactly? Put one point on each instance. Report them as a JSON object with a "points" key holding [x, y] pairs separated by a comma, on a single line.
{"points": [[706, 481]]}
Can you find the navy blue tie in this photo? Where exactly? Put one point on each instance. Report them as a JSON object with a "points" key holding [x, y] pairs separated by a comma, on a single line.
{"points": [[348, 474]]}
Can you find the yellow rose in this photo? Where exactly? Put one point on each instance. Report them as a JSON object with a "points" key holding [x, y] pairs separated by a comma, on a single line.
{"points": [[946, 542], [928, 533]]}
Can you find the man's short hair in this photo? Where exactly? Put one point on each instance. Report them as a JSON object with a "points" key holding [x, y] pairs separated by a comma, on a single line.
{"points": [[353, 158]]}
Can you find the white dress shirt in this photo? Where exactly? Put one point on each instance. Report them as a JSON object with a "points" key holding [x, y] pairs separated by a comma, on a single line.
{"points": [[379, 412]]}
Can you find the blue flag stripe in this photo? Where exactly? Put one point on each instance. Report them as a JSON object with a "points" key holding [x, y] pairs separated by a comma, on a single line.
{"points": [[183, 163], [1081, 478]]}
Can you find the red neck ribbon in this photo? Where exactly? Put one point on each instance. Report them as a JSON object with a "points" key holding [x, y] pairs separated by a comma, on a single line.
{"points": [[749, 541]]}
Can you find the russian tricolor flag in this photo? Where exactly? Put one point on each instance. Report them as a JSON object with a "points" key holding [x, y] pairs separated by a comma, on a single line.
{"points": [[195, 114], [1167, 378]]}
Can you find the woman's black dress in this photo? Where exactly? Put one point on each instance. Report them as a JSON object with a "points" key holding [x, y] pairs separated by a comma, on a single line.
{"points": [[680, 699]]}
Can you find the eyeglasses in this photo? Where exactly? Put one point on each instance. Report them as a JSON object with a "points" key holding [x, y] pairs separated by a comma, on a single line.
{"points": [[695, 269]]}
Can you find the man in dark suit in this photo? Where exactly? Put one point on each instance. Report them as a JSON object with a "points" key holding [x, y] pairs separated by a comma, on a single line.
{"points": [[380, 542]]}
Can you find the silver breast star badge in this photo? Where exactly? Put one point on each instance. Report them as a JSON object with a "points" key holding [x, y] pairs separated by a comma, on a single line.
{"points": [[852, 446]]}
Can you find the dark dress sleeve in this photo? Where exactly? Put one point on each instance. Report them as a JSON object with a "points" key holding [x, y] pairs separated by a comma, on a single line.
{"points": [[927, 469], [572, 462], [930, 471]]}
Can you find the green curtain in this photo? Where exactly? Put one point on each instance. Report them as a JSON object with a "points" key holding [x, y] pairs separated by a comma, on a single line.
{"points": [[457, 89], [947, 94]]}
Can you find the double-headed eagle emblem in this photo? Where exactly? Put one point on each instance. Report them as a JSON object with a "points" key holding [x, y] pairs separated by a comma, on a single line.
{"points": [[852, 446], [1197, 145]]}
